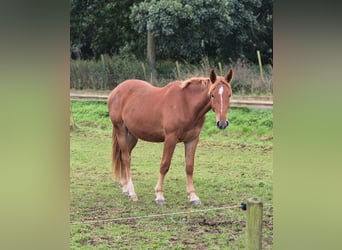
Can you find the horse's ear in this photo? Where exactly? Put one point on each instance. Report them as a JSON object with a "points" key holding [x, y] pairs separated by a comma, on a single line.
{"points": [[229, 76], [212, 76]]}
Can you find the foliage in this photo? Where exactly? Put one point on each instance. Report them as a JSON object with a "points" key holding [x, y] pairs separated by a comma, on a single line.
{"points": [[98, 27], [223, 30], [252, 30], [184, 29]]}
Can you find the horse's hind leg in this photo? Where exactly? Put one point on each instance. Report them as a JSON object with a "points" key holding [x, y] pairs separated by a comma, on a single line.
{"points": [[190, 148], [126, 143]]}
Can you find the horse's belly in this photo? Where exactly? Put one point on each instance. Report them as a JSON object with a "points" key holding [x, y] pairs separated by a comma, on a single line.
{"points": [[149, 137], [145, 124], [147, 134]]}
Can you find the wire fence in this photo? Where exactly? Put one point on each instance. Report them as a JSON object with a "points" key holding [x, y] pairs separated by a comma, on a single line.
{"points": [[241, 206]]}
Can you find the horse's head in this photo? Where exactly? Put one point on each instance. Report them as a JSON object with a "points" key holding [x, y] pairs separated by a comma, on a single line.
{"points": [[220, 92]]}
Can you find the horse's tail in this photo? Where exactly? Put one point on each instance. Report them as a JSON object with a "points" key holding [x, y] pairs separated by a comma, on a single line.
{"points": [[116, 157]]}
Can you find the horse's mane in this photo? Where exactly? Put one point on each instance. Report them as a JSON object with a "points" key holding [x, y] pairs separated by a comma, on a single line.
{"points": [[202, 80]]}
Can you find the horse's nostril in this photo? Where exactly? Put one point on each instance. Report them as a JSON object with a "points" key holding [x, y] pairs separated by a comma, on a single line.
{"points": [[222, 125]]}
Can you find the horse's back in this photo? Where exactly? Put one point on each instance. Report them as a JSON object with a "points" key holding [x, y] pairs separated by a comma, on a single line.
{"points": [[125, 89], [129, 86], [134, 90]]}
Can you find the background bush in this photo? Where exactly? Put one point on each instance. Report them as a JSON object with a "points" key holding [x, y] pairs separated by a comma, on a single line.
{"points": [[105, 73], [109, 71]]}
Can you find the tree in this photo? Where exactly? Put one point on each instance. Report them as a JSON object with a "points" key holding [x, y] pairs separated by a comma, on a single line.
{"points": [[183, 29], [221, 29], [98, 27], [252, 30]]}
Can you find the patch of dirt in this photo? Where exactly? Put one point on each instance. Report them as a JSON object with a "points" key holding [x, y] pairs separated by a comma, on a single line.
{"points": [[88, 124], [238, 146]]}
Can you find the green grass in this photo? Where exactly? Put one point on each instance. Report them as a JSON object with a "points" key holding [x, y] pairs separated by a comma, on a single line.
{"points": [[230, 166], [246, 125]]}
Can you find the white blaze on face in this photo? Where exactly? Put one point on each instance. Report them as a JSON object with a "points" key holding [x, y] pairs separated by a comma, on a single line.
{"points": [[221, 98]]}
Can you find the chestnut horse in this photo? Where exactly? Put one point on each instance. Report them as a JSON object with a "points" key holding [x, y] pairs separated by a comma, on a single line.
{"points": [[171, 114]]}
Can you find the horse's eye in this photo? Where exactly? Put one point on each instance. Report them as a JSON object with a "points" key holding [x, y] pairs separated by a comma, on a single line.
{"points": [[212, 95]]}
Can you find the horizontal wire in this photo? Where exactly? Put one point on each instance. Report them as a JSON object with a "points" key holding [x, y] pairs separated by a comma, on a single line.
{"points": [[158, 215], [154, 215]]}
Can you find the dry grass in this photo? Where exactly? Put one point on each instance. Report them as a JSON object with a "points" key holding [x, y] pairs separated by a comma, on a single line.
{"points": [[110, 71]]}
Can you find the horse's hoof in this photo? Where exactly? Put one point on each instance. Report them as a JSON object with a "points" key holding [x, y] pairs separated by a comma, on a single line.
{"points": [[160, 202], [134, 197], [195, 202]]}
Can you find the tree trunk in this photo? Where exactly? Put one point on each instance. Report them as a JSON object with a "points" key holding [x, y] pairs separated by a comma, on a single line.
{"points": [[151, 58], [151, 54]]}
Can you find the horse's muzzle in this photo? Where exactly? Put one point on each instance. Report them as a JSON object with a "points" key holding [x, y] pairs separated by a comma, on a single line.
{"points": [[222, 125]]}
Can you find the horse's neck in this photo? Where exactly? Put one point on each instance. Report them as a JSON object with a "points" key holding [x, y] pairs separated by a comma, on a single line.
{"points": [[199, 101], [205, 110]]}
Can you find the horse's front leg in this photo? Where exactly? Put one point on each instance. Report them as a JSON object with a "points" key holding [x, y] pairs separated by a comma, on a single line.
{"points": [[169, 147], [190, 148]]}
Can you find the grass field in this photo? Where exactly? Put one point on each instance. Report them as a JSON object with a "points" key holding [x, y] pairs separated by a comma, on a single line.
{"points": [[230, 166]]}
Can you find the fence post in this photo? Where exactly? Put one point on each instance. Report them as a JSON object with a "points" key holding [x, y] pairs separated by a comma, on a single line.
{"points": [[260, 66], [254, 224]]}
